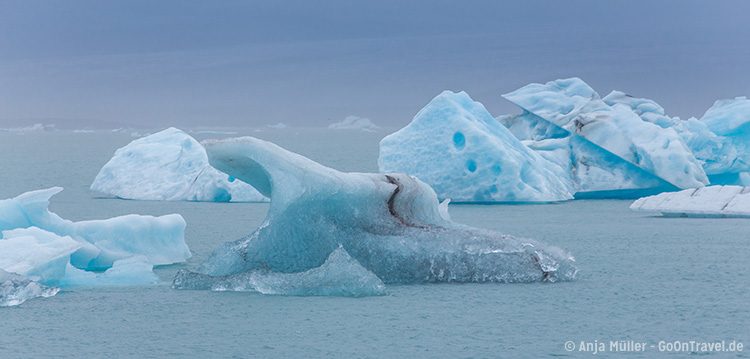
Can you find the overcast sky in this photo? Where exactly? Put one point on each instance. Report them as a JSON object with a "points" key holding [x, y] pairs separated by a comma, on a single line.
{"points": [[308, 63]]}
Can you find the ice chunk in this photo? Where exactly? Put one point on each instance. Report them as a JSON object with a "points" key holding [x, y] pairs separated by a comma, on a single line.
{"points": [[339, 275], [459, 149], [16, 289], [354, 123], [573, 106], [391, 224], [711, 201], [169, 165], [37, 243]]}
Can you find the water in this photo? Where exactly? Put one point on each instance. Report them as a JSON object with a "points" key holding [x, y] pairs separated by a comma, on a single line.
{"points": [[641, 277]]}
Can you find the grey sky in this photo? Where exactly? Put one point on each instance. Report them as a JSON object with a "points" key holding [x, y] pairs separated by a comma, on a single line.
{"points": [[309, 63]]}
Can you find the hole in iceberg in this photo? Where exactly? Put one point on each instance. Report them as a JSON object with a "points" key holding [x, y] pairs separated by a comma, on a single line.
{"points": [[459, 140]]}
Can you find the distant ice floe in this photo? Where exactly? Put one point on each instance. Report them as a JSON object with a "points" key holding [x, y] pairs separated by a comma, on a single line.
{"points": [[334, 233], [711, 201], [44, 251], [169, 165], [354, 123], [37, 127], [458, 148]]}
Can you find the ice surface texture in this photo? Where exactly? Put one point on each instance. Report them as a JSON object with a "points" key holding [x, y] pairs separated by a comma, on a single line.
{"points": [[329, 232], [459, 149], [43, 247], [571, 105], [169, 165], [711, 201]]}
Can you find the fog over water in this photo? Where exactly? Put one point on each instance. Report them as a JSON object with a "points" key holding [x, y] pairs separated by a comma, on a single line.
{"points": [[243, 63]]}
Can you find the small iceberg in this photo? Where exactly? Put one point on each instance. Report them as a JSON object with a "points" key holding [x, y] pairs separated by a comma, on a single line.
{"points": [[16, 289], [38, 245], [458, 148], [169, 165], [334, 233], [711, 201]]}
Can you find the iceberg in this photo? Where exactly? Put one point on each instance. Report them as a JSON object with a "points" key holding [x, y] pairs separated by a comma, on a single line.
{"points": [[44, 247], [710, 201], [16, 289], [333, 233], [626, 151], [169, 165], [458, 148]]}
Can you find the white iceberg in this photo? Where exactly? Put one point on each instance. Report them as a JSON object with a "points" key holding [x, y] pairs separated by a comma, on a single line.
{"points": [[16, 289], [169, 165], [354, 123], [711, 201], [459, 149], [40, 245], [570, 109], [388, 225]]}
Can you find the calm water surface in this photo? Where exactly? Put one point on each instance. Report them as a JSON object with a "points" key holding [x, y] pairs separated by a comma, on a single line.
{"points": [[641, 277]]}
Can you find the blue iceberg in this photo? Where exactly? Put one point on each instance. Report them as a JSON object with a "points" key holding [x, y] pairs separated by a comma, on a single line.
{"points": [[39, 245], [605, 148], [324, 224], [720, 140], [169, 165], [456, 146]]}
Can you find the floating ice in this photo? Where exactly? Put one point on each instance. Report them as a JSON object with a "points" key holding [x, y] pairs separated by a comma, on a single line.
{"points": [[711, 201], [339, 275], [169, 165], [16, 289], [459, 149], [42, 246], [354, 123], [569, 108], [389, 225]]}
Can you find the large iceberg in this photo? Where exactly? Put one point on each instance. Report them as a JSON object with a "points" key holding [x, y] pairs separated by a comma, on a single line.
{"points": [[459, 149], [325, 226], [42, 247], [603, 147], [720, 140], [169, 165], [711, 201]]}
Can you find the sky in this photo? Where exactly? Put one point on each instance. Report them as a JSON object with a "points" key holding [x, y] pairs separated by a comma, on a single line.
{"points": [[109, 64]]}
